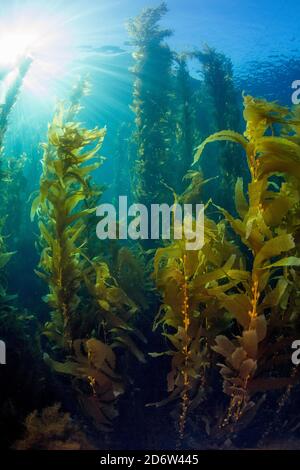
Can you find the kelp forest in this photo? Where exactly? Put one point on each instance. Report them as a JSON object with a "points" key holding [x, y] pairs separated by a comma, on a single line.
{"points": [[144, 344]]}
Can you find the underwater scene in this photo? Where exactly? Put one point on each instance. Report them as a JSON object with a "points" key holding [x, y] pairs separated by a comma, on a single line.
{"points": [[149, 225]]}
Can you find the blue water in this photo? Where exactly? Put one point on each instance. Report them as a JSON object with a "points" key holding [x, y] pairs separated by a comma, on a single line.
{"points": [[257, 36]]}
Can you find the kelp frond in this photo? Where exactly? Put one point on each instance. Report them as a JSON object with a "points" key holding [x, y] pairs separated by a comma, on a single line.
{"points": [[63, 188], [264, 228], [91, 314], [189, 281]]}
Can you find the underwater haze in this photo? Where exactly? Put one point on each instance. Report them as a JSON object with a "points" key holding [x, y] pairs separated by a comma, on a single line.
{"points": [[149, 225]]}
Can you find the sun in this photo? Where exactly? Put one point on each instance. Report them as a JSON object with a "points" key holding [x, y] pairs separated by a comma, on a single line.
{"points": [[16, 45]]}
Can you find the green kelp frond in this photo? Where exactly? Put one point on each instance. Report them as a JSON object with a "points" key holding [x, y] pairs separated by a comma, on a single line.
{"points": [[91, 315], [190, 282], [132, 276], [221, 136], [216, 299], [266, 154], [264, 227], [114, 308], [261, 115], [145, 27], [64, 186]]}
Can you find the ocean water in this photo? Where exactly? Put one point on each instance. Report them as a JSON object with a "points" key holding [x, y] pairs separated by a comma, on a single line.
{"points": [[112, 329]]}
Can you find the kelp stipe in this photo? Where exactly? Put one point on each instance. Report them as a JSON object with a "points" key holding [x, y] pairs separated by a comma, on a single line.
{"points": [[261, 301]]}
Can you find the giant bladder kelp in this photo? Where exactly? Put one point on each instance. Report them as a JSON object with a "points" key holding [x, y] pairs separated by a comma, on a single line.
{"points": [[167, 104], [190, 314], [187, 108], [219, 300], [86, 321], [250, 296], [12, 94], [63, 186], [11, 171], [220, 87], [261, 304], [152, 89], [18, 328]]}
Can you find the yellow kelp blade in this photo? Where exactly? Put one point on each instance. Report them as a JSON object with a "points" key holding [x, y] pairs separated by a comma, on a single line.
{"points": [[221, 136], [241, 203]]}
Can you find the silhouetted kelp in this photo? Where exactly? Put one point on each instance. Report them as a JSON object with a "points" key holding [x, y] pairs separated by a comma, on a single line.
{"points": [[12, 94], [220, 87], [184, 109], [151, 105]]}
